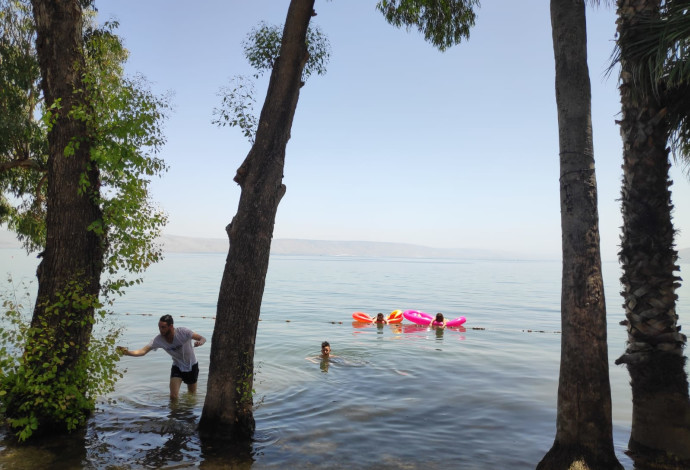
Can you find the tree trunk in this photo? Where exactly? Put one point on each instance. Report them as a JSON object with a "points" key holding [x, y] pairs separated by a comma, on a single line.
{"points": [[583, 424], [73, 257], [228, 408], [654, 354]]}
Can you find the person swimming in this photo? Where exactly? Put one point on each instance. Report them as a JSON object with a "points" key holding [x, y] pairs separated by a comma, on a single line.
{"points": [[324, 360], [326, 350], [439, 321], [380, 319]]}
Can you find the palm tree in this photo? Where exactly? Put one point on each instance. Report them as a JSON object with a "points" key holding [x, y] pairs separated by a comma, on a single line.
{"points": [[654, 101], [584, 435]]}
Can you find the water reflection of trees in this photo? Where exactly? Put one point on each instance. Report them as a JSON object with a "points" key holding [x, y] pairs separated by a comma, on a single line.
{"points": [[63, 451], [179, 433], [142, 437]]}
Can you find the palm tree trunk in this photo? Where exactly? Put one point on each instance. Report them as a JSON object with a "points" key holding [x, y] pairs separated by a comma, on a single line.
{"points": [[583, 424], [654, 354], [228, 406]]}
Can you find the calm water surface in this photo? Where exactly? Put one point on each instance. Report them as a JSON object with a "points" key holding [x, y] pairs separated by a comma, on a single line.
{"points": [[397, 396]]}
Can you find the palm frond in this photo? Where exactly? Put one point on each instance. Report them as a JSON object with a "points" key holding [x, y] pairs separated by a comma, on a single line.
{"points": [[657, 45]]}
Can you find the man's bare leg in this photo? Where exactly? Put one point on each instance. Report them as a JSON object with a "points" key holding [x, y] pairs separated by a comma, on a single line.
{"points": [[175, 383]]}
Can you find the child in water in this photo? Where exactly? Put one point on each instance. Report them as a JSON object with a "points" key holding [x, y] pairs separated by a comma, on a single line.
{"points": [[439, 321], [380, 319], [326, 350], [325, 355]]}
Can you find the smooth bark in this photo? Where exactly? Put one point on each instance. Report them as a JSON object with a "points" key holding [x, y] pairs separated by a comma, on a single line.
{"points": [[227, 412], [584, 434]]}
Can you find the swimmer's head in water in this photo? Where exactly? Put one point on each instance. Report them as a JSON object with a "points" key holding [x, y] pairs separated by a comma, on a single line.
{"points": [[325, 348], [379, 317], [439, 317]]}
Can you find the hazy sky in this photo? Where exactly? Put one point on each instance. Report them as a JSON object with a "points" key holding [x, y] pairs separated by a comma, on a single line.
{"points": [[398, 142]]}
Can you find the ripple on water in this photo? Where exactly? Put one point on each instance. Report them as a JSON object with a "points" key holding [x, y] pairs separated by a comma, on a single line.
{"points": [[400, 397]]}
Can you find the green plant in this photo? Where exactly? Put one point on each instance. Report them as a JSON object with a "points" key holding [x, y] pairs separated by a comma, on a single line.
{"points": [[124, 119], [244, 386], [52, 369], [36, 389], [261, 49]]}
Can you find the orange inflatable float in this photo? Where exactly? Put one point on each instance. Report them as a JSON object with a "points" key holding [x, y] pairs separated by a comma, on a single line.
{"points": [[394, 317]]}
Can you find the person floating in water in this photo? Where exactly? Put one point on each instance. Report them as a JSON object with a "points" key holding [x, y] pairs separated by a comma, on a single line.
{"points": [[324, 359], [380, 319], [326, 350], [178, 343], [439, 321]]}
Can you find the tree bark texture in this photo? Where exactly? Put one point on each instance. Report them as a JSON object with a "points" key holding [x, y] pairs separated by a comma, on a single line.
{"points": [[654, 354], [583, 424], [73, 253], [228, 407]]}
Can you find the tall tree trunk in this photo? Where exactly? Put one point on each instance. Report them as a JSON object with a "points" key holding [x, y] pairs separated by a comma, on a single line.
{"points": [[228, 408], [583, 423], [654, 354], [73, 257]]}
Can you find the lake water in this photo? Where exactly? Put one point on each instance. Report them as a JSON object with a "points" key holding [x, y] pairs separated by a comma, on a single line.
{"points": [[397, 396]]}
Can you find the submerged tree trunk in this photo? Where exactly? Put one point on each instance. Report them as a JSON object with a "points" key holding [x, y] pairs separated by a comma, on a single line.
{"points": [[654, 354], [228, 407], [69, 273], [583, 424]]}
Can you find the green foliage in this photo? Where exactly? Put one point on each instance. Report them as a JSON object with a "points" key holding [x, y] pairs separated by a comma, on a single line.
{"points": [[244, 386], [23, 137], [37, 387], [237, 107], [51, 369], [245, 390], [656, 47], [444, 23], [262, 46], [261, 49], [124, 121]]}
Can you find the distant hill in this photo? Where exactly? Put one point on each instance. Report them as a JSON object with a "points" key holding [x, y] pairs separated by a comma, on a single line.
{"points": [[684, 254], [286, 246], [179, 244]]}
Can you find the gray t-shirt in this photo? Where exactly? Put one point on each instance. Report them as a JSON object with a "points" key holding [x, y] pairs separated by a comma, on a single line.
{"points": [[181, 349]]}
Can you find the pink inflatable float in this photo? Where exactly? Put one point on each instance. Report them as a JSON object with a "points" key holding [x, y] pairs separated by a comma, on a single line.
{"points": [[423, 318]]}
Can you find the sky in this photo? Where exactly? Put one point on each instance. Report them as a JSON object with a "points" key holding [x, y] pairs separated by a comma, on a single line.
{"points": [[397, 142]]}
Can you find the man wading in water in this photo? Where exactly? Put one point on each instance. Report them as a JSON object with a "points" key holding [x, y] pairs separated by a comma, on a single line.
{"points": [[178, 343]]}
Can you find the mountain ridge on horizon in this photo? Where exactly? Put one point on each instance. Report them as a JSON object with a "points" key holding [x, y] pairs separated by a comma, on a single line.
{"points": [[307, 247], [297, 246]]}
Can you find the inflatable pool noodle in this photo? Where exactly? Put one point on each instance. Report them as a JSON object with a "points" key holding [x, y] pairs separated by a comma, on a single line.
{"points": [[423, 318]]}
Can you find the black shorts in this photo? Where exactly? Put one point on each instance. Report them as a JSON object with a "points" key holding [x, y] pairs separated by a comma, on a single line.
{"points": [[187, 377]]}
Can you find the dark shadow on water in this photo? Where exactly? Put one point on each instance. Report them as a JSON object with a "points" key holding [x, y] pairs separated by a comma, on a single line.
{"points": [[150, 437], [59, 452], [644, 458], [136, 435], [179, 434], [227, 455]]}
